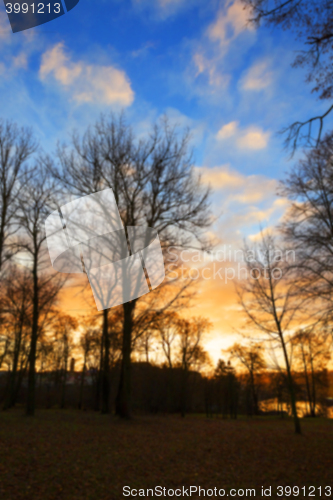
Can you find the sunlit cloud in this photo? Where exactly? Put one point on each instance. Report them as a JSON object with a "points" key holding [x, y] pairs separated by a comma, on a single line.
{"points": [[247, 189], [229, 24], [252, 137], [227, 130], [86, 82], [258, 77], [208, 58]]}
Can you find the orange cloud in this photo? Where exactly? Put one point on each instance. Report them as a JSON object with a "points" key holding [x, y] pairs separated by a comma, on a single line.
{"points": [[234, 18], [252, 137], [86, 82]]}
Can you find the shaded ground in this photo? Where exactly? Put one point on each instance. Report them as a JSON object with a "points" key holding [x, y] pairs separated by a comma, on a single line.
{"points": [[72, 455]]}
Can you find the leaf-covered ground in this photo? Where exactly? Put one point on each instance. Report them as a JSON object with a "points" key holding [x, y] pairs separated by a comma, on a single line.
{"points": [[81, 455]]}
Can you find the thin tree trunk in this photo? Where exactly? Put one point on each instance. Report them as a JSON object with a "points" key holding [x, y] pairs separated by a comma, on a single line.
{"points": [[64, 381], [291, 388], [183, 395], [106, 365], [99, 376], [10, 400], [30, 409], [307, 381], [123, 400], [254, 395], [313, 384], [82, 381]]}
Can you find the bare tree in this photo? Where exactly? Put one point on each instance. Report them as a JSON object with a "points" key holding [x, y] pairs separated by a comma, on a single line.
{"points": [[154, 185], [17, 145], [4, 347], [271, 299], [16, 305], [168, 334], [226, 387], [312, 23], [312, 351], [251, 357], [190, 351], [308, 225], [64, 327], [88, 341], [35, 203]]}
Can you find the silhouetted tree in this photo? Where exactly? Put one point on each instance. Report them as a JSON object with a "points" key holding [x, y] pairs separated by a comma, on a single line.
{"points": [[227, 389], [17, 145], [190, 336], [251, 357], [312, 23], [312, 351], [308, 225], [154, 184], [271, 299], [35, 203], [16, 306]]}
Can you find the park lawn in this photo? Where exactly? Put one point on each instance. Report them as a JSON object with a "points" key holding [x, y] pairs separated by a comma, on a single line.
{"points": [[63, 454]]}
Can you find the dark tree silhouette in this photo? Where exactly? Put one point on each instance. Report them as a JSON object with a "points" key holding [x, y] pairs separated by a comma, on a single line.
{"points": [[312, 23], [154, 184], [272, 301], [35, 203], [17, 145], [308, 225]]}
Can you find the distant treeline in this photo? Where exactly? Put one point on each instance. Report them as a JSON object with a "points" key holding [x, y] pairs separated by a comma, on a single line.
{"points": [[160, 389]]}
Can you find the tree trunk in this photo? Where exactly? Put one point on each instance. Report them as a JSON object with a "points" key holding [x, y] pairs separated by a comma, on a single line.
{"points": [[183, 394], [106, 365], [30, 409], [313, 384], [307, 381], [99, 376], [123, 400], [291, 388], [63, 388], [82, 381], [10, 400], [254, 395]]}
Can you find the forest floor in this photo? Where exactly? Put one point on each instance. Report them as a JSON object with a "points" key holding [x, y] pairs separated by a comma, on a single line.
{"points": [[83, 455]]}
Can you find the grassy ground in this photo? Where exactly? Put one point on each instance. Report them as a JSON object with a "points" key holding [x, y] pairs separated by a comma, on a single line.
{"points": [[71, 455]]}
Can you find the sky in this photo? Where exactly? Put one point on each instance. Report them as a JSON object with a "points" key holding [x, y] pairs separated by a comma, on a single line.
{"points": [[199, 62]]}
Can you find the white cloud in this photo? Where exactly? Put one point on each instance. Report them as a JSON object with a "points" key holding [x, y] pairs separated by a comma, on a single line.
{"points": [[227, 130], [229, 23], [258, 77], [241, 202], [209, 66], [245, 189], [210, 52], [252, 137], [86, 82]]}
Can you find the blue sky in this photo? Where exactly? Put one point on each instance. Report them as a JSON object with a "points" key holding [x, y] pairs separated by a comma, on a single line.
{"points": [[199, 62]]}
